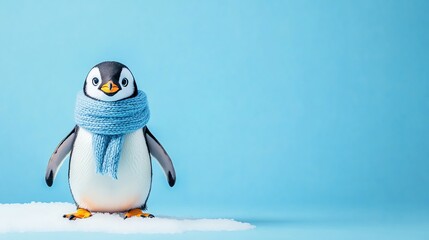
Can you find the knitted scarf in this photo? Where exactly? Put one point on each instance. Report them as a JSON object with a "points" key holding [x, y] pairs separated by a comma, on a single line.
{"points": [[109, 122]]}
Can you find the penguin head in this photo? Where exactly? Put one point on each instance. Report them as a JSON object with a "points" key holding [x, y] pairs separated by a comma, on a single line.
{"points": [[110, 81]]}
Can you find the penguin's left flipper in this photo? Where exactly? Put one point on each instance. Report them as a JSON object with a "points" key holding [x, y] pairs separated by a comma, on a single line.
{"points": [[156, 149], [58, 156]]}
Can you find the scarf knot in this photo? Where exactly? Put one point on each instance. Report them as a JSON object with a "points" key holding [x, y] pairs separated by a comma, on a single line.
{"points": [[109, 122]]}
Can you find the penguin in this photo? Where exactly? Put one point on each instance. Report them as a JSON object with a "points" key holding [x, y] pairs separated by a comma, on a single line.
{"points": [[92, 191]]}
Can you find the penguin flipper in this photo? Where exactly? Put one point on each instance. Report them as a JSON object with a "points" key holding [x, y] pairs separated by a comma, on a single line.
{"points": [[156, 149], [58, 156]]}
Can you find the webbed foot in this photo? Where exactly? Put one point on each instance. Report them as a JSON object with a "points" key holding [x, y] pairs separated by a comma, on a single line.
{"points": [[137, 212], [80, 213]]}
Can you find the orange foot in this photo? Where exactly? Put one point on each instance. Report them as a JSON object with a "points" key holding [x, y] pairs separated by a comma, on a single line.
{"points": [[137, 212], [80, 213]]}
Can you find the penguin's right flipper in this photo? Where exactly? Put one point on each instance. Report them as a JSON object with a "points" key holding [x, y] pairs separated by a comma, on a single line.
{"points": [[58, 156]]}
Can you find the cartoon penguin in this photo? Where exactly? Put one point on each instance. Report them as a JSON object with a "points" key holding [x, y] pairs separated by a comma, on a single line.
{"points": [[110, 172]]}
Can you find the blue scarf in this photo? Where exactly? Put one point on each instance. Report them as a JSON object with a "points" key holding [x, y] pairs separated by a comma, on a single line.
{"points": [[109, 122]]}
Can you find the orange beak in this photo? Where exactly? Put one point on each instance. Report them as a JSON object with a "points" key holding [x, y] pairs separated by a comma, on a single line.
{"points": [[109, 87]]}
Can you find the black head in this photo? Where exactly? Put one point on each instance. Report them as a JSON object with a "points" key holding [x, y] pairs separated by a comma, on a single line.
{"points": [[110, 81]]}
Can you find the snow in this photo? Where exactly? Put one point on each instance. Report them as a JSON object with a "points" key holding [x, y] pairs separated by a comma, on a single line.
{"points": [[48, 217]]}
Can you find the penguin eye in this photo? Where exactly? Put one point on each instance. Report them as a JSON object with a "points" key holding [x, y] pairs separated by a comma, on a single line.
{"points": [[124, 82], [95, 81]]}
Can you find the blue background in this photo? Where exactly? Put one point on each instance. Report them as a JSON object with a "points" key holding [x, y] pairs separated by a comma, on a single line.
{"points": [[286, 114]]}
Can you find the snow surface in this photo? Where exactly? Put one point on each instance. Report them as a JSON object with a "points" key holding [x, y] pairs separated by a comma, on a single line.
{"points": [[47, 217]]}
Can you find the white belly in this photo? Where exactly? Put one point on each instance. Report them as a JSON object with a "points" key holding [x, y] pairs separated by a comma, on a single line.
{"points": [[102, 193]]}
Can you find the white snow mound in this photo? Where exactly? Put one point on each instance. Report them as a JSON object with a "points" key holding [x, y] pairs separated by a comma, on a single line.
{"points": [[48, 217]]}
